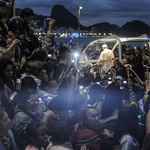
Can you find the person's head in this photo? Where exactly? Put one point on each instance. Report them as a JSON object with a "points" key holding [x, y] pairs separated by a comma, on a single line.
{"points": [[28, 100], [125, 61], [37, 134], [3, 4], [38, 54], [95, 91], [118, 65], [51, 86], [4, 15], [60, 134], [137, 50], [116, 60], [4, 122], [6, 70], [65, 54], [31, 42], [35, 68], [88, 117], [127, 122], [113, 100], [28, 82], [27, 15], [104, 46], [119, 80]]}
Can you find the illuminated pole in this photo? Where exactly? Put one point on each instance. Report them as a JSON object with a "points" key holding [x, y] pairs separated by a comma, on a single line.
{"points": [[12, 4], [79, 8]]}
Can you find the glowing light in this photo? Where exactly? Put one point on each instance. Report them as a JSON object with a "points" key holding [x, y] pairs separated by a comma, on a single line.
{"points": [[76, 55], [80, 7]]}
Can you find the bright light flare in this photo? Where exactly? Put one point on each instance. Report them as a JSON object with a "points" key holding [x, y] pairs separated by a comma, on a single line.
{"points": [[80, 7], [76, 55]]}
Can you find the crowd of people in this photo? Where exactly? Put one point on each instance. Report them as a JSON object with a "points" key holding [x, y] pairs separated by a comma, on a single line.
{"points": [[47, 104]]}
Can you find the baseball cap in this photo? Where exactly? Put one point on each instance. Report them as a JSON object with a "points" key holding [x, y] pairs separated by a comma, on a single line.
{"points": [[118, 77]]}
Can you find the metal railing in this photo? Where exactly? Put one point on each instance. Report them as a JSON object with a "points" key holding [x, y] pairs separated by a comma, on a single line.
{"points": [[147, 72], [130, 69]]}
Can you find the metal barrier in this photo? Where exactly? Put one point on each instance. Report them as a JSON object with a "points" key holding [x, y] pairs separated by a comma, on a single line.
{"points": [[130, 69], [147, 75]]}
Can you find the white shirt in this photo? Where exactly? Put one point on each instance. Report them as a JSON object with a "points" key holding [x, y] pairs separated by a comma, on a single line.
{"points": [[106, 57]]}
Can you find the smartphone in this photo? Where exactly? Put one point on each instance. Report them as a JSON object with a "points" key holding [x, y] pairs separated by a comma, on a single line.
{"points": [[109, 79], [81, 87], [101, 71], [125, 81], [98, 83], [109, 73], [49, 55], [109, 82]]}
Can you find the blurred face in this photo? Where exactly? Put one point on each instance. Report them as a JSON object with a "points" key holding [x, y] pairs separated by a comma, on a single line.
{"points": [[43, 75], [4, 124], [33, 102], [119, 82], [41, 139], [8, 72], [92, 117], [136, 51], [117, 66], [10, 34], [52, 87], [4, 19], [124, 61]]}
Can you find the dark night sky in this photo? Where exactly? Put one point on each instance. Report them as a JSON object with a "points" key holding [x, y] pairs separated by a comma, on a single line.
{"points": [[95, 11]]}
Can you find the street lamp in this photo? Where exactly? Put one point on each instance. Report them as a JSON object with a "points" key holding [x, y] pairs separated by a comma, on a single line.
{"points": [[14, 8], [79, 8]]}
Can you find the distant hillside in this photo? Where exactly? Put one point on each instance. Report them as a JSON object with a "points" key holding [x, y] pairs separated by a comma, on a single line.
{"points": [[64, 18], [106, 28], [134, 28]]}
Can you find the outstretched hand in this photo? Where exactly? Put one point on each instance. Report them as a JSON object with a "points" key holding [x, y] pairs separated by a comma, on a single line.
{"points": [[84, 147], [51, 22]]}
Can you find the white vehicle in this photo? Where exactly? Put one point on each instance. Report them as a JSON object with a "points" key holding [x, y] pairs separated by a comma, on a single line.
{"points": [[119, 45]]}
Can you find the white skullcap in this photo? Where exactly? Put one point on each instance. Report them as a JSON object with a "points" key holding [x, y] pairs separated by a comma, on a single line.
{"points": [[104, 46]]}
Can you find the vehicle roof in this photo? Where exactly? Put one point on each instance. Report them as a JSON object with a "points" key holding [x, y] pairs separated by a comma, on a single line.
{"points": [[112, 38]]}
